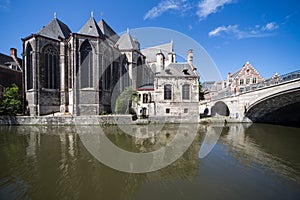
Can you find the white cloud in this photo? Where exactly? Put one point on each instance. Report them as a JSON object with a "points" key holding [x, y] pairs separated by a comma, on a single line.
{"points": [[164, 6], [270, 26], [207, 7], [234, 31]]}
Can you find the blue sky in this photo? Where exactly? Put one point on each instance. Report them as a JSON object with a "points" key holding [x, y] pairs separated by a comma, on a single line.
{"points": [[265, 32]]}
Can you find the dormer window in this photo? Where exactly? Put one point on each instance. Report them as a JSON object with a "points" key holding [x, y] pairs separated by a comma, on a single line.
{"points": [[185, 71]]}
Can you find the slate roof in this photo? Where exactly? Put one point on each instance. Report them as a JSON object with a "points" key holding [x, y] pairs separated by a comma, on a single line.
{"points": [[5, 60], [151, 52], [179, 69], [108, 31], [127, 42], [55, 29], [91, 28]]}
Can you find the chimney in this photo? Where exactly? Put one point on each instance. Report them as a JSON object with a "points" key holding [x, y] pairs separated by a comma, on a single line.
{"points": [[190, 56], [14, 56], [13, 52]]}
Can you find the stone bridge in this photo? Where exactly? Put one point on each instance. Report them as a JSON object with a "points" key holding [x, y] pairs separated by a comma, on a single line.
{"points": [[268, 102]]}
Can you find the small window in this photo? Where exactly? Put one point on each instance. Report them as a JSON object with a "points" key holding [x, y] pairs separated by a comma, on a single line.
{"points": [[247, 80], [254, 80], [167, 110], [241, 81], [186, 110], [186, 91], [145, 98], [167, 92]]}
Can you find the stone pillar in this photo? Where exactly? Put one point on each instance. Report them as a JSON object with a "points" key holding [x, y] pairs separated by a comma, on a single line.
{"points": [[62, 66]]}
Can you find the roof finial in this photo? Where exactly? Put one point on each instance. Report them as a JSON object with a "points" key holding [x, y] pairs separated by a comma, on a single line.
{"points": [[127, 30], [54, 15], [92, 14]]}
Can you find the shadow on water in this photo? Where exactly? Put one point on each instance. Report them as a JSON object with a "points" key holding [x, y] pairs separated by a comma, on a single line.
{"points": [[51, 162]]}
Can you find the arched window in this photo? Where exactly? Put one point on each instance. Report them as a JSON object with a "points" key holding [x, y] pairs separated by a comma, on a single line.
{"points": [[125, 75], [29, 69], [140, 73], [51, 72], [86, 69], [186, 92], [168, 92]]}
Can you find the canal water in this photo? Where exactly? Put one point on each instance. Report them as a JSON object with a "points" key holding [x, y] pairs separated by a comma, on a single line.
{"points": [[232, 161]]}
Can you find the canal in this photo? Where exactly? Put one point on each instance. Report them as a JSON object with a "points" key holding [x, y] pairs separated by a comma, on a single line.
{"points": [[232, 161]]}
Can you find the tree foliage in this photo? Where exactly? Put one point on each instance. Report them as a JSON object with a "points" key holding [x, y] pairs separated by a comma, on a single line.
{"points": [[11, 103], [124, 101]]}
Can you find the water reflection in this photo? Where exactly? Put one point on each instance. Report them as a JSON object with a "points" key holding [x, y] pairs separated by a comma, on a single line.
{"points": [[51, 162]]}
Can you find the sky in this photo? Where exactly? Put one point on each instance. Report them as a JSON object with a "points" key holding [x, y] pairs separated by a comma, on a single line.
{"points": [[264, 32]]}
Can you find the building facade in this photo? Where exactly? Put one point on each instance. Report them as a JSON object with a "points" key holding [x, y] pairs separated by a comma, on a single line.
{"points": [[175, 90], [76, 73], [10, 71], [82, 73]]}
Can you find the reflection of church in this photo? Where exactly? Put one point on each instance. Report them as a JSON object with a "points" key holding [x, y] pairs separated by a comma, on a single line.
{"points": [[77, 73]]}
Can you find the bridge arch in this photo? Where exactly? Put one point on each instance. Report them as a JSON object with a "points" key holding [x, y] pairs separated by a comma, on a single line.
{"points": [[220, 108], [281, 107]]}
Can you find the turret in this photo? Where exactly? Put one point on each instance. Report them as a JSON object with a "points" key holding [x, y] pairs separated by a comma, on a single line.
{"points": [[160, 61], [190, 56]]}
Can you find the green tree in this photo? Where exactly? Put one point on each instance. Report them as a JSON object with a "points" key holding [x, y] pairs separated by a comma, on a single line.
{"points": [[11, 103], [124, 101], [201, 93]]}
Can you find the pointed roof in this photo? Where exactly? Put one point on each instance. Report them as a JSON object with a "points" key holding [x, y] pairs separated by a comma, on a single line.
{"points": [[55, 29], [108, 31], [247, 65], [151, 52], [91, 28], [127, 42]]}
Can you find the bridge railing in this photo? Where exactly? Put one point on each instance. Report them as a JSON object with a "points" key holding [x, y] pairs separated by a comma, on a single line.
{"points": [[227, 92]]}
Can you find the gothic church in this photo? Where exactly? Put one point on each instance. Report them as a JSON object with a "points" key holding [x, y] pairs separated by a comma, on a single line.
{"points": [[75, 73]]}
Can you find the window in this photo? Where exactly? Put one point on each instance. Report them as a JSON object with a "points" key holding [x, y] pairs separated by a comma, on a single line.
{"points": [[186, 110], [186, 91], [167, 92], [86, 60], [247, 80], [241, 81], [145, 98], [167, 110], [51, 71], [29, 72], [254, 80]]}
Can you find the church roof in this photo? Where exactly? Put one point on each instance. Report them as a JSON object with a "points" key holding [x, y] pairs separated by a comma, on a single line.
{"points": [[55, 29], [108, 31], [91, 28], [127, 42], [179, 69], [151, 52]]}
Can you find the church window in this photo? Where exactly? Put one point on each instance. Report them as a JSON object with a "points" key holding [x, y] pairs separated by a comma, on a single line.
{"points": [[29, 69], [51, 72], [167, 92], [86, 70], [254, 80], [186, 91]]}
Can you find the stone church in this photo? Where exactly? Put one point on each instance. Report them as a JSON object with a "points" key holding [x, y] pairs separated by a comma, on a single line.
{"points": [[78, 73], [75, 73]]}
